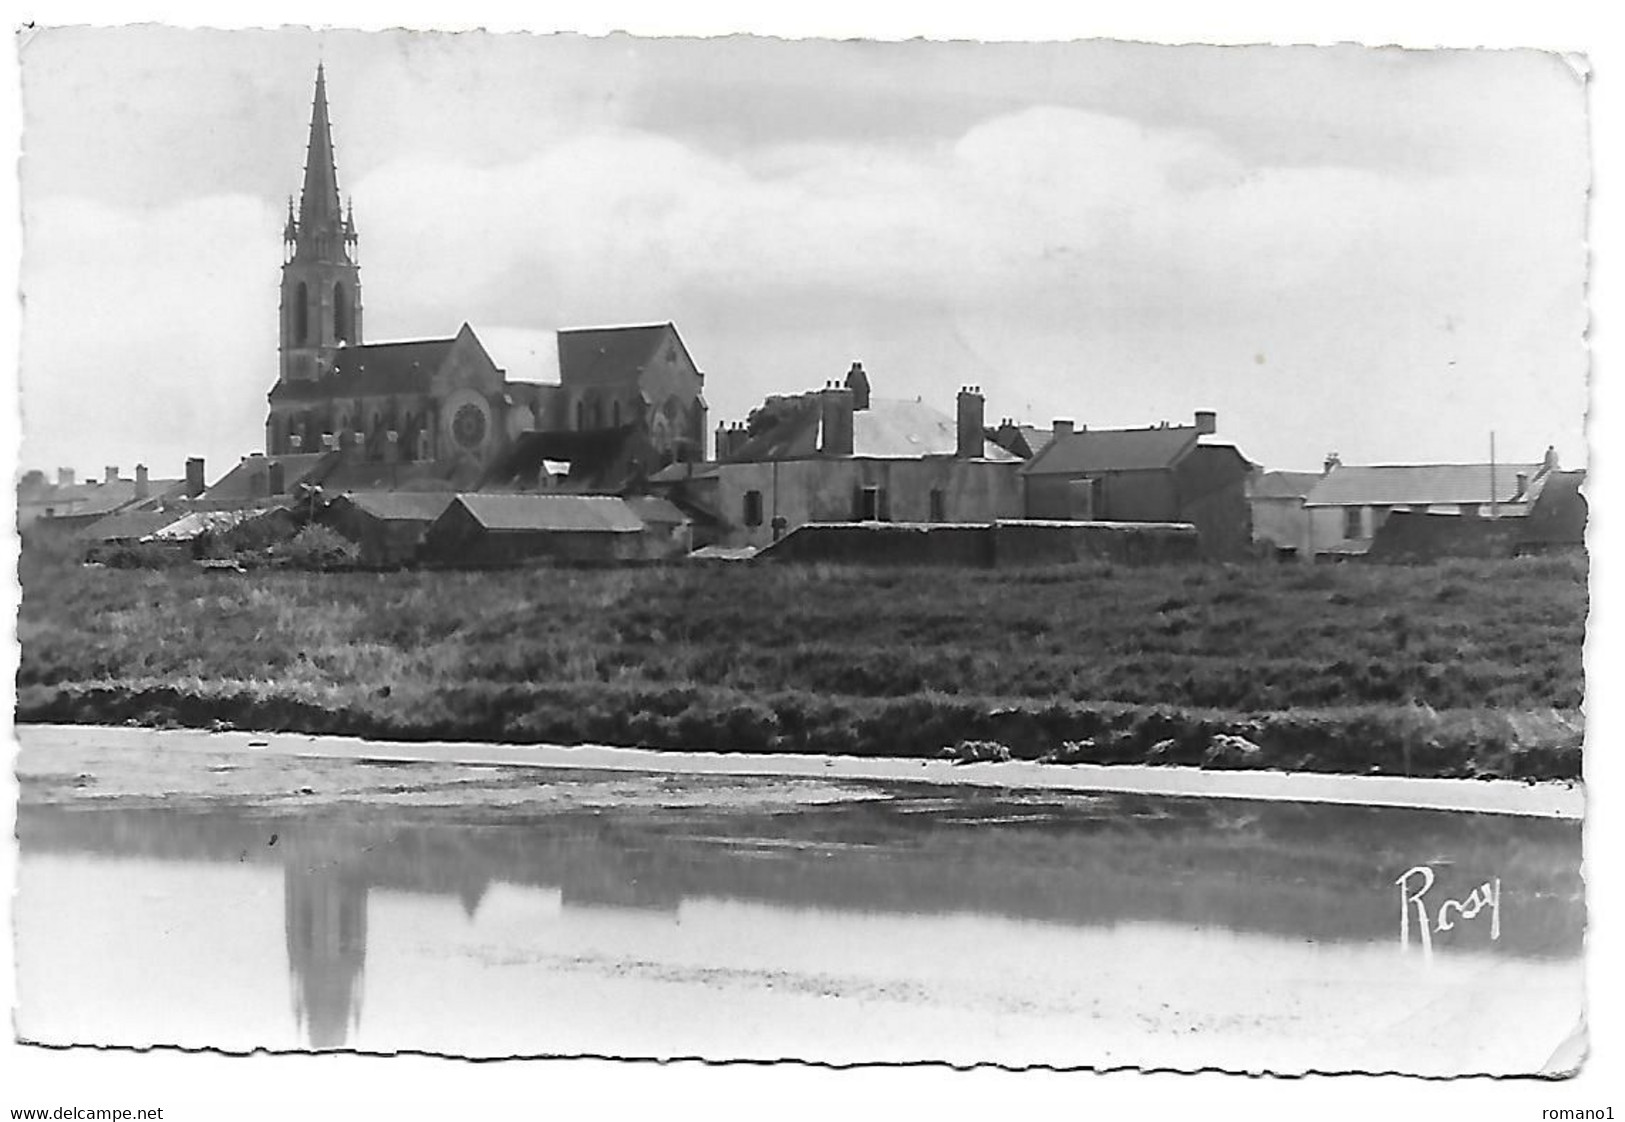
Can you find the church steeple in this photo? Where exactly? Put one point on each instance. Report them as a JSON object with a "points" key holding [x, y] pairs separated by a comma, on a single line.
{"points": [[321, 231], [321, 280]]}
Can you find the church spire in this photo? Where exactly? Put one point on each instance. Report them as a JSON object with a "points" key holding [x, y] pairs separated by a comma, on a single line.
{"points": [[322, 231]]}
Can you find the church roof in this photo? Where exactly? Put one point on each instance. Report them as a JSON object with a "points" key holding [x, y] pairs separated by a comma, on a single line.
{"points": [[610, 354], [373, 369]]}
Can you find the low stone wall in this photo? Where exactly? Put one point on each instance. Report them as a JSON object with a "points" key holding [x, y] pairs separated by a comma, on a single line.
{"points": [[1016, 542], [968, 544], [1414, 536], [1035, 542]]}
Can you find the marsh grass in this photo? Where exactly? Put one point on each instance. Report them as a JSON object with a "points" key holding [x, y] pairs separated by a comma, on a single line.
{"points": [[1426, 662]]}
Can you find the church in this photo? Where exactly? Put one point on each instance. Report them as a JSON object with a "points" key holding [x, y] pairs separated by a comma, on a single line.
{"points": [[439, 413]]}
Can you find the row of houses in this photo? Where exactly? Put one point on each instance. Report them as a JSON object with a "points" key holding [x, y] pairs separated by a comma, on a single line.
{"points": [[1418, 511], [842, 454]]}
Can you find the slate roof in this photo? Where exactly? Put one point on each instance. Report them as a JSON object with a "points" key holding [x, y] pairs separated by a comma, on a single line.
{"points": [[401, 506], [1037, 439], [129, 525], [1419, 484], [372, 369], [652, 509], [552, 513], [609, 354], [1107, 450], [888, 429], [300, 467], [1284, 484]]}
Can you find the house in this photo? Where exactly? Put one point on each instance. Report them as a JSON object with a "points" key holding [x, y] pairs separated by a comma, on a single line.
{"points": [[486, 529], [70, 506], [1169, 473], [840, 454], [1557, 517], [1348, 506], [387, 526], [1276, 500]]}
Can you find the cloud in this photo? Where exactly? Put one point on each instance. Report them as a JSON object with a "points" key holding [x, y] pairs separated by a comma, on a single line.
{"points": [[1070, 261], [147, 334]]}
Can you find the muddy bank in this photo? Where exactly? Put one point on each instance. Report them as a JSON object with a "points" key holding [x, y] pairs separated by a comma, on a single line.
{"points": [[1363, 740]]}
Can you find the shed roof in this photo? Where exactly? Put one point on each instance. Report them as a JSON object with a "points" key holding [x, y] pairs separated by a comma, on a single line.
{"points": [[1419, 484], [650, 508], [1106, 450], [400, 506], [503, 513]]}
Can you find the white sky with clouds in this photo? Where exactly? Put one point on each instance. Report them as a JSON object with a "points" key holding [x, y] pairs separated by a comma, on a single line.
{"points": [[1380, 252]]}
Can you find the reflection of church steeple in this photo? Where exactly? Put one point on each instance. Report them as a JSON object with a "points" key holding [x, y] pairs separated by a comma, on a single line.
{"points": [[325, 920]]}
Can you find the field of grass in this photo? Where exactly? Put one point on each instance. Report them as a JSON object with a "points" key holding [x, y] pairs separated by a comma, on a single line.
{"points": [[1464, 667]]}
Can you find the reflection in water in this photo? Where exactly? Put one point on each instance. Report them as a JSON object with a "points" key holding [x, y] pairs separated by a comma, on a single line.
{"points": [[325, 922], [784, 904]]}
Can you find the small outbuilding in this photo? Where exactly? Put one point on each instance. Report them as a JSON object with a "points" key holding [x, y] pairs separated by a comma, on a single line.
{"points": [[485, 529], [387, 526]]}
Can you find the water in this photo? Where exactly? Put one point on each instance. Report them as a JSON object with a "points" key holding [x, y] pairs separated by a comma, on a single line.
{"points": [[498, 911]]}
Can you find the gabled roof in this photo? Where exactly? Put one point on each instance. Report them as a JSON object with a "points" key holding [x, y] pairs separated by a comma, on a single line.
{"points": [[240, 481], [1419, 484], [536, 512], [610, 354], [1036, 439], [1558, 514], [1284, 484], [400, 506], [888, 429], [1107, 450], [372, 369]]}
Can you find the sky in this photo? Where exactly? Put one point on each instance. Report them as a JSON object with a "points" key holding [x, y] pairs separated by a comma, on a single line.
{"points": [[1378, 252]]}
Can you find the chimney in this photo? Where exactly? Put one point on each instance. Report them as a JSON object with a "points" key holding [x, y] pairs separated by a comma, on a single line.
{"points": [[194, 477], [1550, 462], [110, 474], [722, 449], [1062, 428], [971, 442], [276, 478], [1523, 484], [1333, 460], [858, 382], [142, 485], [835, 405], [1207, 422], [64, 477]]}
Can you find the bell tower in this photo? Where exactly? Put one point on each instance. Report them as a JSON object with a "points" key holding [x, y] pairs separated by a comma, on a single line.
{"points": [[321, 279]]}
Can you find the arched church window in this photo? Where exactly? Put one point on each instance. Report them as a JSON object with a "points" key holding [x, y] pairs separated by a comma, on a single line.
{"points": [[301, 315], [615, 411], [341, 315], [597, 414], [581, 415]]}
